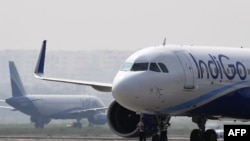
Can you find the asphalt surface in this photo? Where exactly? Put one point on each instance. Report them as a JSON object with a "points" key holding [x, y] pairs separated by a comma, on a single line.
{"points": [[30, 138]]}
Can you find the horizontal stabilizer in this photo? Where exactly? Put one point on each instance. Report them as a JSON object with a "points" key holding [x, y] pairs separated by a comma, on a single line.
{"points": [[7, 107]]}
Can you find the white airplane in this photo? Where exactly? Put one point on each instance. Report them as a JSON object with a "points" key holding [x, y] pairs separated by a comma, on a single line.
{"points": [[43, 108], [174, 80]]}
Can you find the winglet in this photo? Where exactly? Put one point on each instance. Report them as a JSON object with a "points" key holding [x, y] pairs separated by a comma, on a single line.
{"points": [[39, 70], [164, 42], [39, 73]]}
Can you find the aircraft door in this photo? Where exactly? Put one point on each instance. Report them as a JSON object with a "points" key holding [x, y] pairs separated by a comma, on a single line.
{"points": [[187, 69]]}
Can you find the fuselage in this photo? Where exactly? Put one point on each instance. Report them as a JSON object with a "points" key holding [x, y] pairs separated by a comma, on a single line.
{"points": [[177, 80], [55, 106]]}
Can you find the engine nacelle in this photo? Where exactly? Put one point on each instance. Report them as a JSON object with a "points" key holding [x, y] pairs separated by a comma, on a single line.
{"points": [[123, 122], [40, 120], [99, 118]]}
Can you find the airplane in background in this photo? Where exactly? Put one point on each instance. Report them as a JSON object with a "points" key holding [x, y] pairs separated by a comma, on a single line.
{"points": [[156, 83], [43, 108]]}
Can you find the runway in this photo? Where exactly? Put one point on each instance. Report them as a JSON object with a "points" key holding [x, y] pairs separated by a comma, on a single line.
{"points": [[27, 138], [60, 132], [64, 138]]}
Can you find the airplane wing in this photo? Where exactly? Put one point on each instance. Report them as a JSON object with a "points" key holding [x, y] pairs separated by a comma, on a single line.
{"points": [[39, 73], [88, 110], [82, 112]]}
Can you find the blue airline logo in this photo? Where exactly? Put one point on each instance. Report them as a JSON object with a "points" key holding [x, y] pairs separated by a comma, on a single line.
{"points": [[216, 67]]}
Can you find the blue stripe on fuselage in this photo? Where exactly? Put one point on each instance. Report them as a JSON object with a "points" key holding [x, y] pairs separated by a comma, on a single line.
{"points": [[235, 104], [200, 99]]}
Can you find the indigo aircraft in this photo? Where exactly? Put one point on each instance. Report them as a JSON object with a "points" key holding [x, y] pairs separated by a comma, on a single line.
{"points": [[43, 108], [175, 80]]}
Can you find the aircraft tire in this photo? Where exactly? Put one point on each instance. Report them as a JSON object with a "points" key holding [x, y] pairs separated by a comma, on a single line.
{"points": [[155, 137], [36, 126], [39, 126], [196, 135], [210, 135], [77, 125]]}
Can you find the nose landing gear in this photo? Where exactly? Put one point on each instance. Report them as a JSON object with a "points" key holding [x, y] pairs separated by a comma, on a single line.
{"points": [[163, 124]]}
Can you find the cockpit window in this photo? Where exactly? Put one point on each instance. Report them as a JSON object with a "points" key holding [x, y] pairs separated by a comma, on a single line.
{"points": [[163, 67], [139, 67], [154, 67], [126, 67]]}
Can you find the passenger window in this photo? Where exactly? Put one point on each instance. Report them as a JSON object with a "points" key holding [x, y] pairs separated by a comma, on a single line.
{"points": [[139, 67], [163, 67], [154, 67]]}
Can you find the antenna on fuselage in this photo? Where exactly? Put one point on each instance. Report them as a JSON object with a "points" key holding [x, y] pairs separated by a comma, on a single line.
{"points": [[164, 42]]}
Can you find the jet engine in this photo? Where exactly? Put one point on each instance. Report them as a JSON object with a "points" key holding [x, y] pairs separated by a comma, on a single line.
{"points": [[39, 122], [99, 118], [123, 122]]}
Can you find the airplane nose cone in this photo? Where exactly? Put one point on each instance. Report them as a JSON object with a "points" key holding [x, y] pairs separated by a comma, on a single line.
{"points": [[125, 91], [120, 90]]}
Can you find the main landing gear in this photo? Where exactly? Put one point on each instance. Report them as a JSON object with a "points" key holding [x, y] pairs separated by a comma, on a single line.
{"points": [[39, 125], [77, 124], [201, 134]]}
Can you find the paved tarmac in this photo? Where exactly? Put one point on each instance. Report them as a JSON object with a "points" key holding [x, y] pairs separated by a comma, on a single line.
{"points": [[30, 138]]}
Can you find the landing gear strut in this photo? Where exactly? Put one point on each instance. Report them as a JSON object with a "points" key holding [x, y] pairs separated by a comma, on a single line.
{"points": [[77, 124], [201, 134], [39, 125], [163, 124]]}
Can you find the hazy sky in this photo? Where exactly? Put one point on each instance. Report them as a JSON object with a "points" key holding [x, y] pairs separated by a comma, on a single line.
{"points": [[127, 24]]}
